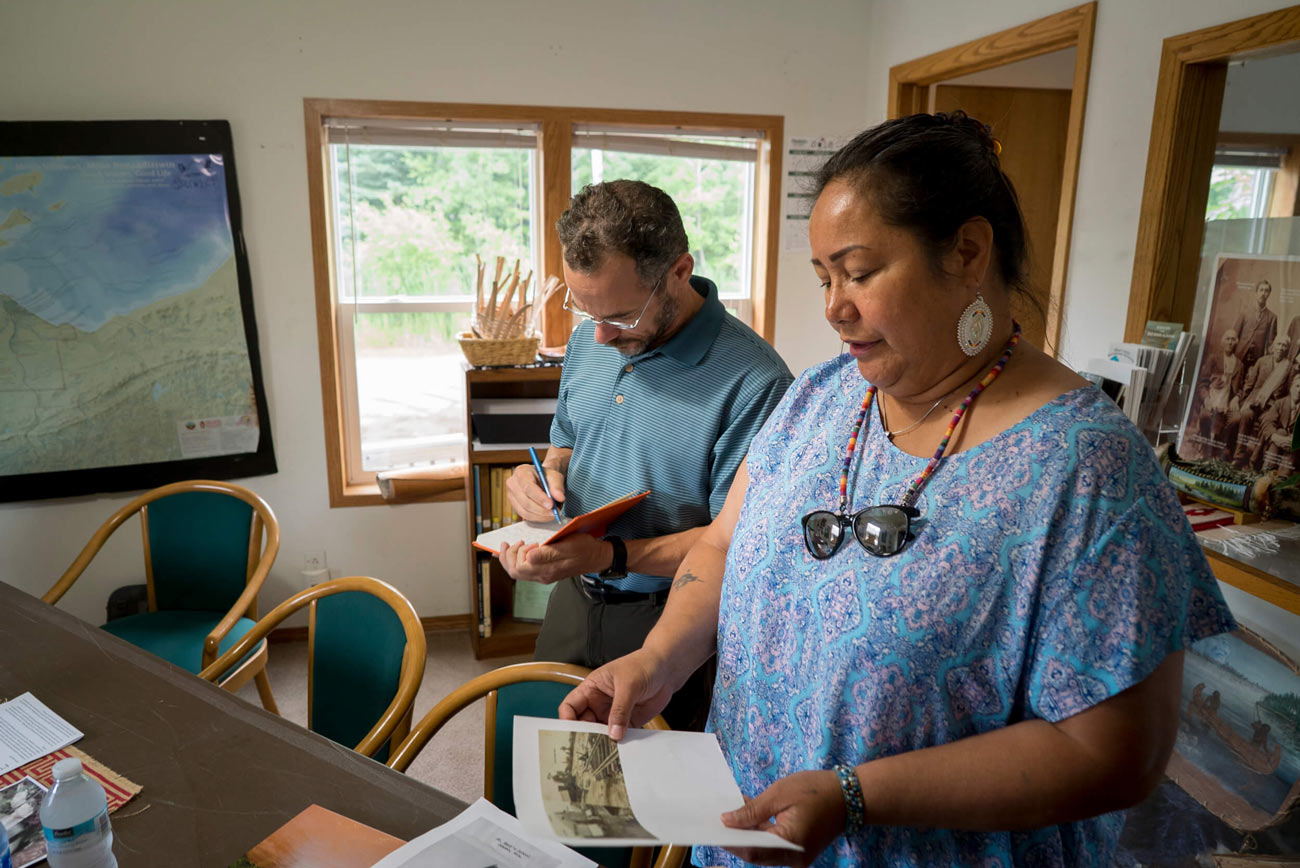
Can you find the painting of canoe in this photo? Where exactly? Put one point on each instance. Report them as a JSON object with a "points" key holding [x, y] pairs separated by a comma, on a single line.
{"points": [[1238, 745]]}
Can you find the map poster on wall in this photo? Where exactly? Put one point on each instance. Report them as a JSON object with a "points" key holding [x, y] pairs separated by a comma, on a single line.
{"points": [[1246, 399], [128, 348]]}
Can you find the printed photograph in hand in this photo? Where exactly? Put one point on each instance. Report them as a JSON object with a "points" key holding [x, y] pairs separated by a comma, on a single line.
{"points": [[583, 789], [20, 806], [1244, 405]]}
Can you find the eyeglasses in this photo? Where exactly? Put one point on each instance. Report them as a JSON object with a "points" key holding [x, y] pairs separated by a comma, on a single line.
{"points": [[577, 311], [883, 531]]}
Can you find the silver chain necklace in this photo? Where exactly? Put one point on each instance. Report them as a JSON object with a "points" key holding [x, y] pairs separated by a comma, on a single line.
{"points": [[884, 424]]}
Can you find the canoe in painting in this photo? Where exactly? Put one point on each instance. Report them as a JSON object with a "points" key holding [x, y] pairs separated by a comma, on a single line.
{"points": [[1238, 745]]}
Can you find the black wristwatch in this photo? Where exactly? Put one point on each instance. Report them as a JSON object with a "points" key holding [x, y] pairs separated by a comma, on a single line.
{"points": [[618, 569]]}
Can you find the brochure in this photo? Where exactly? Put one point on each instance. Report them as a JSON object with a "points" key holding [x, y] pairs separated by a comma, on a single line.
{"points": [[482, 835]]}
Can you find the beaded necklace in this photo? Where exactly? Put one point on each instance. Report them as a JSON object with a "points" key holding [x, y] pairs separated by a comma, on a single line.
{"points": [[914, 489]]}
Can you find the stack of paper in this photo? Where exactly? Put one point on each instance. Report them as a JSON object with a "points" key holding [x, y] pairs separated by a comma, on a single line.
{"points": [[1124, 382], [1143, 377], [482, 834]]}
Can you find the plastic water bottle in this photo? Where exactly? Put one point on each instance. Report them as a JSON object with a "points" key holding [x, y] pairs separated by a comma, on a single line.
{"points": [[74, 818]]}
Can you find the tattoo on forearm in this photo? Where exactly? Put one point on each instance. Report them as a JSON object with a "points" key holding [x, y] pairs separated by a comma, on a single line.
{"points": [[685, 579]]}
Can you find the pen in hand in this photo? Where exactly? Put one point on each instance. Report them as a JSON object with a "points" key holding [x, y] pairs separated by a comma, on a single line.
{"points": [[541, 477]]}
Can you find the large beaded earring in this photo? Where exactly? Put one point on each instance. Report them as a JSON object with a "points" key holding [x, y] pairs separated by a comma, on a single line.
{"points": [[975, 326]]}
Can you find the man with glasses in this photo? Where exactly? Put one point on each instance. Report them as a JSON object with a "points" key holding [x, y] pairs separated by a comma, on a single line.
{"points": [[662, 391]]}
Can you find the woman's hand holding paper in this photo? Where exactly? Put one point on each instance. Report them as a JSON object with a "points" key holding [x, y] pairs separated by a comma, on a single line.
{"points": [[806, 808], [626, 692]]}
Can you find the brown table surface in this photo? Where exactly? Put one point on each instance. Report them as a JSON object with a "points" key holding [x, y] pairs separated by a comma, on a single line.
{"points": [[219, 775]]}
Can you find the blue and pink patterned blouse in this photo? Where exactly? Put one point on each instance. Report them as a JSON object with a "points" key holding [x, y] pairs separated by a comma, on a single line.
{"points": [[1052, 569]]}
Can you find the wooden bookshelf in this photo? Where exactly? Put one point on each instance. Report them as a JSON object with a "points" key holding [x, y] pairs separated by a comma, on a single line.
{"points": [[509, 636]]}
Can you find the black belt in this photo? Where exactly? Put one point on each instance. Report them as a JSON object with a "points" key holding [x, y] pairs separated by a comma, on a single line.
{"points": [[599, 592]]}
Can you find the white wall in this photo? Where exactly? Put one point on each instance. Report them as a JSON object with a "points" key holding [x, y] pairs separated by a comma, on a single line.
{"points": [[253, 62], [1262, 96], [1052, 71]]}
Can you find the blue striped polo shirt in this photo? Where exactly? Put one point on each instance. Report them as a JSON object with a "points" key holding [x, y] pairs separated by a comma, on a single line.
{"points": [[676, 420]]}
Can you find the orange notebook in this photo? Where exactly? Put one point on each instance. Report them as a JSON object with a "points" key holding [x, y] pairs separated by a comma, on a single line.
{"points": [[547, 532], [318, 838]]}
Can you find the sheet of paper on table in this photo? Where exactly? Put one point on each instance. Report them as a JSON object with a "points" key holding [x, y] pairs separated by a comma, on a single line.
{"points": [[482, 835], [575, 785], [29, 730]]}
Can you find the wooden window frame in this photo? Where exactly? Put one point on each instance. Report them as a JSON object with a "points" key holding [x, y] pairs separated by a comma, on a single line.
{"points": [[555, 145], [909, 86], [1184, 131]]}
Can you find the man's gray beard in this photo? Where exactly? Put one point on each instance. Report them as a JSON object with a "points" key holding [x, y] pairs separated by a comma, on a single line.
{"points": [[663, 322]]}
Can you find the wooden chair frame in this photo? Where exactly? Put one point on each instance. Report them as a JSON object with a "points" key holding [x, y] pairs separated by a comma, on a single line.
{"points": [[486, 686], [260, 558], [395, 722]]}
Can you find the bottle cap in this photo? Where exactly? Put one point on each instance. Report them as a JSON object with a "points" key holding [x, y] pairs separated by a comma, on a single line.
{"points": [[68, 768]]}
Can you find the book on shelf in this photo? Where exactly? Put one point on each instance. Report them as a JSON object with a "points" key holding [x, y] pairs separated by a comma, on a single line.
{"points": [[495, 497], [530, 601], [545, 532], [478, 594], [478, 501], [485, 598]]}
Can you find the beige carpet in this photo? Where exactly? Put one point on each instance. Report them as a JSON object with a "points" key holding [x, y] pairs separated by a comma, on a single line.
{"points": [[453, 760]]}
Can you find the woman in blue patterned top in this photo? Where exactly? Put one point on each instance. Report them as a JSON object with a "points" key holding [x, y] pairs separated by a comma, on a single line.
{"points": [[950, 589]]}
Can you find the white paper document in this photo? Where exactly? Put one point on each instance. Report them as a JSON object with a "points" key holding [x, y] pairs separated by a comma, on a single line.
{"points": [[804, 155], [575, 785], [29, 730], [482, 836], [519, 532]]}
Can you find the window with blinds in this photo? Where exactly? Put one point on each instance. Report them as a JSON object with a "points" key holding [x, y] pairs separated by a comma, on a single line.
{"points": [[1242, 180], [710, 174], [403, 194], [412, 203]]}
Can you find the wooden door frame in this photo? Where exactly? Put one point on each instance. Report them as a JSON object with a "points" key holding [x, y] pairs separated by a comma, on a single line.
{"points": [[1184, 128], [909, 85]]}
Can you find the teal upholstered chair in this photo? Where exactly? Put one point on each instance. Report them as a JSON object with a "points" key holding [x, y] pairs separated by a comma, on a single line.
{"points": [[534, 690], [365, 660], [205, 558]]}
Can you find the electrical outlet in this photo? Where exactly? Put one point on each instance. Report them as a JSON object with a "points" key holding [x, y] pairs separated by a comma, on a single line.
{"points": [[314, 561]]}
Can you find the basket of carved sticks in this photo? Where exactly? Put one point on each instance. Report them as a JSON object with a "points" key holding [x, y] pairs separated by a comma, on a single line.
{"points": [[504, 326]]}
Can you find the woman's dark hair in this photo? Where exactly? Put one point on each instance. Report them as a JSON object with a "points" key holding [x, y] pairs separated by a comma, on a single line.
{"points": [[929, 174]]}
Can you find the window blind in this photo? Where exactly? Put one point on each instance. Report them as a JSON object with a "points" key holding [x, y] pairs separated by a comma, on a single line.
{"points": [[738, 146], [422, 133], [1249, 157]]}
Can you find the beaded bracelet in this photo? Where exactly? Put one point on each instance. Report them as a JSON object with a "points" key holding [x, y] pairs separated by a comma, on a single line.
{"points": [[855, 807]]}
